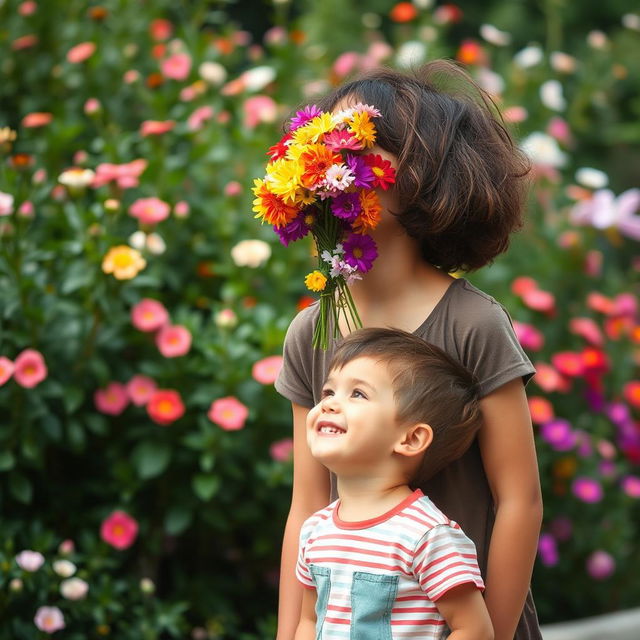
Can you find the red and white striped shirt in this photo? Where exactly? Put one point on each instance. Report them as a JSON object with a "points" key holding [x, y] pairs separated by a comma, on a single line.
{"points": [[385, 575]]}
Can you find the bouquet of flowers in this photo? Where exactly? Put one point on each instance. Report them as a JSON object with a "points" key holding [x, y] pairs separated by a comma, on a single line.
{"points": [[320, 180]]}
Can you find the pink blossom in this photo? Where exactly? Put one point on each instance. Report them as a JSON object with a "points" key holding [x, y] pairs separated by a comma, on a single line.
{"points": [[541, 409], [559, 434], [600, 565], [181, 209], [25, 42], [528, 336], [259, 109], [625, 304], [119, 530], [112, 400], [593, 263], [197, 119], [27, 8], [173, 341], [266, 371], [150, 210], [559, 129], [92, 105], [140, 389], [176, 67], [66, 547], [631, 486], [81, 52], [587, 329], [156, 127], [539, 300], [607, 210], [149, 315], [49, 619], [125, 176], [29, 368], [515, 114], [523, 284], [30, 560], [6, 204], [228, 413], [26, 209], [547, 550], [232, 188], [346, 63], [6, 369], [160, 29], [281, 450], [131, 76], [568, 363], [587, 489], [36, 119], [548, 379]]}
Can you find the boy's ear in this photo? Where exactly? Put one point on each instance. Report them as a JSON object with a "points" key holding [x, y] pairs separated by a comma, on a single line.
{"points": [[415, 440]]}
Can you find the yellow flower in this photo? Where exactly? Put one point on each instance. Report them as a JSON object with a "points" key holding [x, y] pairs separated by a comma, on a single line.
{"points": [[123, 262], [315, 281], [363, 128], [283, 177], [314, 129]]}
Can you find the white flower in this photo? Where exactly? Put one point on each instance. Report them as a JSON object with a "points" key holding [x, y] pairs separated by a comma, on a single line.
{"points": [[339, 176], [30, 560], [543, 150], [250, 253], [490, 81], [16, 585], [631, 21], [592, 178], [213, 73], [562, 62], [597, 39], [259, 77], [74, 589], [155, 244], [528, 57], [147, 585], [6, 204], [64, 568], [493, 35], [226, 319], [423, 4], [410, 53], [551, 95], [76, 178], [138, 240]]}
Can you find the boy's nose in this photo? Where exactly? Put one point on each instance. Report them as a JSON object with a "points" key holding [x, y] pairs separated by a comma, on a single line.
{"points": [[329, 404]]}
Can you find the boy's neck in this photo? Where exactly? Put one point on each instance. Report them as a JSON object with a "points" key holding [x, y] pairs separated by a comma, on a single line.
{"points": [[366, 498]]}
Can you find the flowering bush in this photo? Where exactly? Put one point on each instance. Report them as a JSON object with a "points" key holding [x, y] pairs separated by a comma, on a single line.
{"points": [[144, 454]]}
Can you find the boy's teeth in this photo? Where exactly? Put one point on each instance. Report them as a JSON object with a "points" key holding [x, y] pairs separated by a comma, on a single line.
{"points": [[328, 429]]}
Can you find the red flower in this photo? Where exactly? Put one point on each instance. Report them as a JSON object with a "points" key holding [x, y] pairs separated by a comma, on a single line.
{"points": [[595, 360], [631, 392], [569, 363], [471, 52], [383, 172], [403, 12], [279, 150], [165, 407], [540, 409]]}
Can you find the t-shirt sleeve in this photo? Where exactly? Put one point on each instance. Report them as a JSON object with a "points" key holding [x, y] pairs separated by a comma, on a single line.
{"points": [[294, 381], [445, 558], [302, 568]]}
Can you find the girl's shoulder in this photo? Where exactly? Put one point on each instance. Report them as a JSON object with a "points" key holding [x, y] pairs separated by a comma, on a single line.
{"points": [[301, 327]]}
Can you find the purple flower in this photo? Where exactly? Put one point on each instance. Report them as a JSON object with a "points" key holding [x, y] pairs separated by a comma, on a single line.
{"points": [[302, 117], [618, 413], [595, 399], [360, 251], [548, 550], [587, 489], [604, 210], [600, 565], [607, 468], [364, 177], [297, 228], [346, 206], [559, 434], [631, 486]]}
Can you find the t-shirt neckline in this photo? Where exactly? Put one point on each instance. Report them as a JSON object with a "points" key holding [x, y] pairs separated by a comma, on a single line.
{"points": [[438, 306], [371, 522]]}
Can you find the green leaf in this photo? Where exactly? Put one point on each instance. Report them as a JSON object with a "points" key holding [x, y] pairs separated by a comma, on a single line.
{"points": [[178, 518], [151, 458], [73, 397], [7, 460], [20, 487], [205, 486]]}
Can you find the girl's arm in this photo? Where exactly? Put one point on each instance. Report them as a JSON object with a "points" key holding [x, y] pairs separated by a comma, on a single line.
{"points": [[466, 613], [509, 458], [307, 625], [311, 491]]}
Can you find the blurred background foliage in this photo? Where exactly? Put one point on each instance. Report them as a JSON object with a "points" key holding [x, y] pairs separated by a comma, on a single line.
{"points": [[195, 92]]}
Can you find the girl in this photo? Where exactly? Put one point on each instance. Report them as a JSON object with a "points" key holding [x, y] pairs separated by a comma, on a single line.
{"points": [[459, 192]]}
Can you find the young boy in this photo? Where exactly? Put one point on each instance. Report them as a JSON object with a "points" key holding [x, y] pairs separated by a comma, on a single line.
{"points": [[383, 562]]}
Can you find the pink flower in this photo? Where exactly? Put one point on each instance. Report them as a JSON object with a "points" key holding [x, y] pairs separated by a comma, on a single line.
{"points": [[528, 336], [30, 560], [587, 329], [631, 486], [119, 530], [27, 8], [233, 188], [540, 409], [165, 406], [29, 368], [587, 489], [36, 119], [259, 109], [228, 413], [156, 127], [548, 379], [266, 371], [6, 204], [112, 400], [559, 129], [6, 369], [559, 434], [173, 341], [523, 284], [66, 547], [568, 363], [26, 209], [49, 619], [81, 52], [281, 450], [149, 315], [149, 210], [547, 550], [125, 176], [600, 303], [539, 300], [605, 210], [346, 63], [160, 29], [181, 209], [176, 67], [140, 389], [92, 105], [197, 119], [515, 113], [600, 565]]}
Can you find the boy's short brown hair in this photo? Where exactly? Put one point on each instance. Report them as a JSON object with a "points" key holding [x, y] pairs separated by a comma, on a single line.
{"points": [[460, 178], [429, 386]]}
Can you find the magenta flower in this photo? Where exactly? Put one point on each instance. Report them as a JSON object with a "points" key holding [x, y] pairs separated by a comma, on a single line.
{"points": [[559, 434], [29, 368], [346, 206], [149, 315], [605, 210], [140, 389], [587, 489], [228, 413], [49, 619], [600, 565], [119, 530], [173, 341], [112, 400], [266, 371], [302, 117], [360, 251], [149, 210], [631, 486], [6, 369], [339, 140], [548, 550], [363, 173], [281, 450], [176, 67], [298, 228], [528, 336]]}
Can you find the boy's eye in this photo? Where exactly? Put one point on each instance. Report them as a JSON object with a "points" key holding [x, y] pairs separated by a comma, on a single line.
{"points": [[358, 394], [327, 392]]}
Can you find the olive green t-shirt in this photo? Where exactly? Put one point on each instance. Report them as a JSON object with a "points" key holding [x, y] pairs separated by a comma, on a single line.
{"points": [[474, 329]]}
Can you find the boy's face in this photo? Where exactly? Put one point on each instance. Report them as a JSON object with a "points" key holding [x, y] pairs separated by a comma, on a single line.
{"points": [[354, 428]]}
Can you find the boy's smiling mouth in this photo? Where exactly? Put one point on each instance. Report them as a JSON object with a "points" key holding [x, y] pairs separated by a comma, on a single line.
{"points": [[329, 429]]}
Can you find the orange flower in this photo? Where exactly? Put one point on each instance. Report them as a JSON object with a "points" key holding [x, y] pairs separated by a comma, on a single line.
{"points": [[370, 214], [271, 208], [540, 409], [123, 262], [403, 12], [36, 119], [317, 159], [470, 52], [631, 392]]}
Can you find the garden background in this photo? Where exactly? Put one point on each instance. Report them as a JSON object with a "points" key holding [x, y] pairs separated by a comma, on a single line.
{"points": [[145, 464]]}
